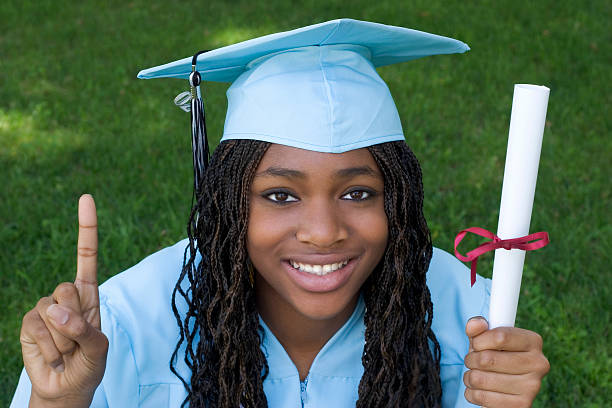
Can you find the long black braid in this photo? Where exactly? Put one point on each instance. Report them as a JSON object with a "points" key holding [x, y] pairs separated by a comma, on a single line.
{"points": [[221, 332], [221, 327]]}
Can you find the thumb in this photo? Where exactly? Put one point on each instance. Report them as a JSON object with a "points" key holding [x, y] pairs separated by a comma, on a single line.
{"points": [[74, 326], [476, 326]]}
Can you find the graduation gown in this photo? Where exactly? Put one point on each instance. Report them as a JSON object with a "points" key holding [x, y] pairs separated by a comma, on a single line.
{"points": [[142, 333]]}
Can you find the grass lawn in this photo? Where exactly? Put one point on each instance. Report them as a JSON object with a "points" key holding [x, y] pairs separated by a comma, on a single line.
{"points": [[74, 119]]}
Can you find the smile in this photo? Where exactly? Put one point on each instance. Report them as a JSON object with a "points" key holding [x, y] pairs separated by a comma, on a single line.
{"points": [[320, 270]]}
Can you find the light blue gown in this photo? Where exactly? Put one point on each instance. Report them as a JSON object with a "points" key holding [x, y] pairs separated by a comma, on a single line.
{"points": [[142, 332]]}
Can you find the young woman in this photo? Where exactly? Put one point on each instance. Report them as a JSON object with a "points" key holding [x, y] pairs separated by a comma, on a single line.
{"points": [[308, 279]]}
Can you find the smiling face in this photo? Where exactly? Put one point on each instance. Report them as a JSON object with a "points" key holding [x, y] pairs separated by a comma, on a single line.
{"points": [[317, 229]]}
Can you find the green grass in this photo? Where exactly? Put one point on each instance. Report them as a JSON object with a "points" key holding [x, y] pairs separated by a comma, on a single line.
{"points": [[74, 119]]}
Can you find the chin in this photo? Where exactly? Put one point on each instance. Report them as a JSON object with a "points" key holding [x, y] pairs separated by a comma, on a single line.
{"points": [[324, 306]]}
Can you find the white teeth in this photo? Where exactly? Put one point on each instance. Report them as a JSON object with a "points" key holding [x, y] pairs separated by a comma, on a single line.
{"points": [[318, 269]]}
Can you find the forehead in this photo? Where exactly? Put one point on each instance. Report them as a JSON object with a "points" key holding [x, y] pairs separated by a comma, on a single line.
{"points": [[309, 161]]}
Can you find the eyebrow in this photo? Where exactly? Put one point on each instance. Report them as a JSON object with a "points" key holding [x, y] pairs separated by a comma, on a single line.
{"points": [[296, 174], [281, 172], [357, 171]]}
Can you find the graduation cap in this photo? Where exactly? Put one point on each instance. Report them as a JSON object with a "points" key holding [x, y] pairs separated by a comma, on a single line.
{"points": [[314, 88]]}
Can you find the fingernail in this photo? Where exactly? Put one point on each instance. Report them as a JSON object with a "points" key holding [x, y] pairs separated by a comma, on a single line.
{"points": [[476, 318], [59, 315]]}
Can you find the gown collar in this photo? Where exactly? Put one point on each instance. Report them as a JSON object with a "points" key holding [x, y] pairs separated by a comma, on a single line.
{"points": [[339, 357]]}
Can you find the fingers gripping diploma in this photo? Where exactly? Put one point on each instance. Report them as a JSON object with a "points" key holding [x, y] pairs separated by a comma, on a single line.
{"points": [[506, 365], [64, 351]]}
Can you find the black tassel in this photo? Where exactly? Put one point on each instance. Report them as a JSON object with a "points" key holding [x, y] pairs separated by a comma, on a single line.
{"points": [[199, 138]]}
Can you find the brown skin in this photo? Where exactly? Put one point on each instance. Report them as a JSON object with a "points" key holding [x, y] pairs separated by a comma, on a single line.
{"points": [[333, 216], [321, 208], [506, 365], [64, 351]]}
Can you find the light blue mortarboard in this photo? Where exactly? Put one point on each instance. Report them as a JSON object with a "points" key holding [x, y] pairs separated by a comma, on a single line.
{"points": [[315, 87]]}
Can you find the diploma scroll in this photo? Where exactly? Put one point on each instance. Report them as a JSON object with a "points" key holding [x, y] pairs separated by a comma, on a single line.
{"points": [[522, 158]]}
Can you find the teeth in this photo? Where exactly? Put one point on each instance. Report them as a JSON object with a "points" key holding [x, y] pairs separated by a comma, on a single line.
{"points": [[318, 269]]}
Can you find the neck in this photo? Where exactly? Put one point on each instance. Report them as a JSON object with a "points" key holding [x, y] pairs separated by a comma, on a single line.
{"points": [[301, 336]]}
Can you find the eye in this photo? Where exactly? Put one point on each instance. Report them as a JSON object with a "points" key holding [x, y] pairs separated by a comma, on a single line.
{"points": [[357, 195], [280, 197]]}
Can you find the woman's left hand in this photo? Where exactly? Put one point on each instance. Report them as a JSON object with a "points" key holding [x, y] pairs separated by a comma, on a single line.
{"points": [[506, 365]]}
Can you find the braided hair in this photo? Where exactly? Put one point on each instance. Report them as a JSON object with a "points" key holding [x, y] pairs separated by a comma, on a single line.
{"points": [[399, 367], [220, 332]]}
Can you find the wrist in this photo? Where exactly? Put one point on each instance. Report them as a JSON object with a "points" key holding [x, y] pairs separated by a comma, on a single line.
{"points": [[37, 401]]}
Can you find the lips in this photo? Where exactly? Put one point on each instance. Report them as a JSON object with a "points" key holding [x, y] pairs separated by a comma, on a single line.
{"points": [[318, 269], [318, 274]]}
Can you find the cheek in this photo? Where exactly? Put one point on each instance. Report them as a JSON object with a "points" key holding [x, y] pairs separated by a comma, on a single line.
{"points": [[373, 228], [378, 234], [377, 238], [266, 230]]}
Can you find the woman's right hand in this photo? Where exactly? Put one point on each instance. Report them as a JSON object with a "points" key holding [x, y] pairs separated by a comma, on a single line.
{"points": [[64, 351]]}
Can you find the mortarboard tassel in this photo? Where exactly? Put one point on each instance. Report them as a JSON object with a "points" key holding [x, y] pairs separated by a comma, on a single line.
{"points": [[199, 139]]}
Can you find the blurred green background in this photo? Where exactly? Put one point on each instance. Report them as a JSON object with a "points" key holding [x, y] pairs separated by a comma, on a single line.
{"points": [[74, 119]]}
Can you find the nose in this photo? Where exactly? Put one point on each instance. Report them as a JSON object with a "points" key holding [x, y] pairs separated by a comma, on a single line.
{"points": [[321, 225]]}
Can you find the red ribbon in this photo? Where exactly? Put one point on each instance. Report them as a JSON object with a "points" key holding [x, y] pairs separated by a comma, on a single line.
{"points": [[527, 243]]}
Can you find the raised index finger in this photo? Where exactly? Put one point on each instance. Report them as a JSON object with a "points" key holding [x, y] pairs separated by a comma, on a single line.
{"points": [[87, 246]]}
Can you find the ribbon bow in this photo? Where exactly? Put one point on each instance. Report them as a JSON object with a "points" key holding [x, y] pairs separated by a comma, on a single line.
{"points": [[527, 243]]}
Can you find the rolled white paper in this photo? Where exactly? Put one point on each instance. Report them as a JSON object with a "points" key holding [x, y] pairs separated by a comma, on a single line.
{"points": [[527, 122]]}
